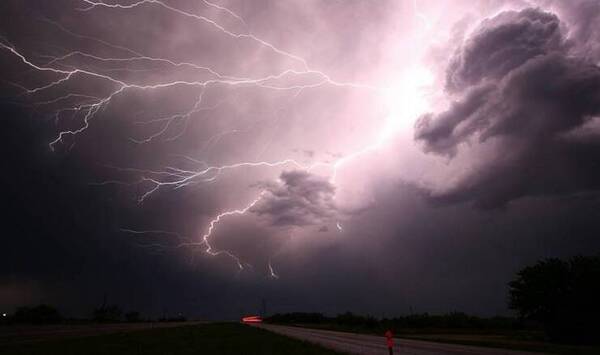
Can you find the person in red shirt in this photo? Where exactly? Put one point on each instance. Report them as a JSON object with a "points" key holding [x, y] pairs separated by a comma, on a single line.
{"points": [[390, 341]]}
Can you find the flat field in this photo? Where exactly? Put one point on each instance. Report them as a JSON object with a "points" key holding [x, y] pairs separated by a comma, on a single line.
{"points": [[214, 338]]}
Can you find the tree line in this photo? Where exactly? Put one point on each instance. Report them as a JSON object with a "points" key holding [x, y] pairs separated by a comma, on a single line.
{"points": [[349, 320], [48, 314], [560, 297]]}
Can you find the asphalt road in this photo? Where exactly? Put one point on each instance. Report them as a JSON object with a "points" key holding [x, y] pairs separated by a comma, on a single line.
{"points": [[24, 334], [371, 344]]}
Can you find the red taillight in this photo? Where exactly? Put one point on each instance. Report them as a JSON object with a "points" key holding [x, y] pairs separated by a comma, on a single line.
{"points": [[252, 319]]}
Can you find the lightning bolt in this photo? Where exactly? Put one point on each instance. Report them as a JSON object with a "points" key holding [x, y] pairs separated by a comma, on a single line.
{"points": [[421, 16], [272, 273], [88, 106]]}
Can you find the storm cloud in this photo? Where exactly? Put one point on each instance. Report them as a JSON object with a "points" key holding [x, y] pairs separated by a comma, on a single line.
{"points": [[518, 84], [307, 183], [298, 198]]}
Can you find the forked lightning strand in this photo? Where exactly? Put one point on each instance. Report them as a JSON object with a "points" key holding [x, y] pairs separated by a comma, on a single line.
{"points": [[88, 106]]}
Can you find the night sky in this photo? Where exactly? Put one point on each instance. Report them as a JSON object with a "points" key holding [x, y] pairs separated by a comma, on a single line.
{"points": [[381, 157]]}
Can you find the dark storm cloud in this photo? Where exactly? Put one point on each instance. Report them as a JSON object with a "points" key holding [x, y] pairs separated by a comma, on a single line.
{"points": [[63, 233], [298, 199], [519, 85]]}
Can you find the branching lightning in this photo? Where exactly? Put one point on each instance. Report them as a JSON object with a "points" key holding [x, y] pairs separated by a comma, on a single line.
{"points": [[173, 177]]}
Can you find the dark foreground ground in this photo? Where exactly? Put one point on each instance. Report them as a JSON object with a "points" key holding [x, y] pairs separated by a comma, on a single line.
{"points": [[215, 338], [22, 334], [526, 341], [355, 343]]}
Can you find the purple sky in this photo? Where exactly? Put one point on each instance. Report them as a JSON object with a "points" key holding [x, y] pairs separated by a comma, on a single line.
{"points": [[373, 156]]}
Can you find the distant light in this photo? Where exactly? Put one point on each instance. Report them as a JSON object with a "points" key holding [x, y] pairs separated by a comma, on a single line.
{"points": [[3, 314]]}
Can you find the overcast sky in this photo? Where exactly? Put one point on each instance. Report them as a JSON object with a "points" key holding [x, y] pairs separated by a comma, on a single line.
{"points": [[382, 157]]}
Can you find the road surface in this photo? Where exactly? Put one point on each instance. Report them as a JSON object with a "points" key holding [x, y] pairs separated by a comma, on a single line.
{"points": [[371, 344], [11, 335]]}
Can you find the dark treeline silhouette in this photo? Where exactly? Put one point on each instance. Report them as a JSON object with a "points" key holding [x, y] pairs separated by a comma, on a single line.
{"points": [[41, 314], [47, 314], [564, 295], [349, 320]]}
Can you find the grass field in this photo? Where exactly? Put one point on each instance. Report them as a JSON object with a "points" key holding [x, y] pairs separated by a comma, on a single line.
{"points": [[218, 338]]}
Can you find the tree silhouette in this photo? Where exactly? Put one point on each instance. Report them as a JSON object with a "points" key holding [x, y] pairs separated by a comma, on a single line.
{"points": [[563, 295], [41, 314]]}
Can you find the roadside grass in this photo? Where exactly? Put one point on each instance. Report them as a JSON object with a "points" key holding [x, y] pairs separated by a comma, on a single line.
{"points": [[216, 338], [506, 342], [525, 340]]}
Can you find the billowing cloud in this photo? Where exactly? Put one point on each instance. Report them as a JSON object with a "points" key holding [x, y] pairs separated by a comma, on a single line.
{"points": [[518, 84], [502, 44], [583, 17], [299, 198]]}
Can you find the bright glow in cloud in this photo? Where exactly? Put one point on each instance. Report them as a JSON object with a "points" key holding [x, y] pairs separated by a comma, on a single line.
{"points": [[406, 100]]}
